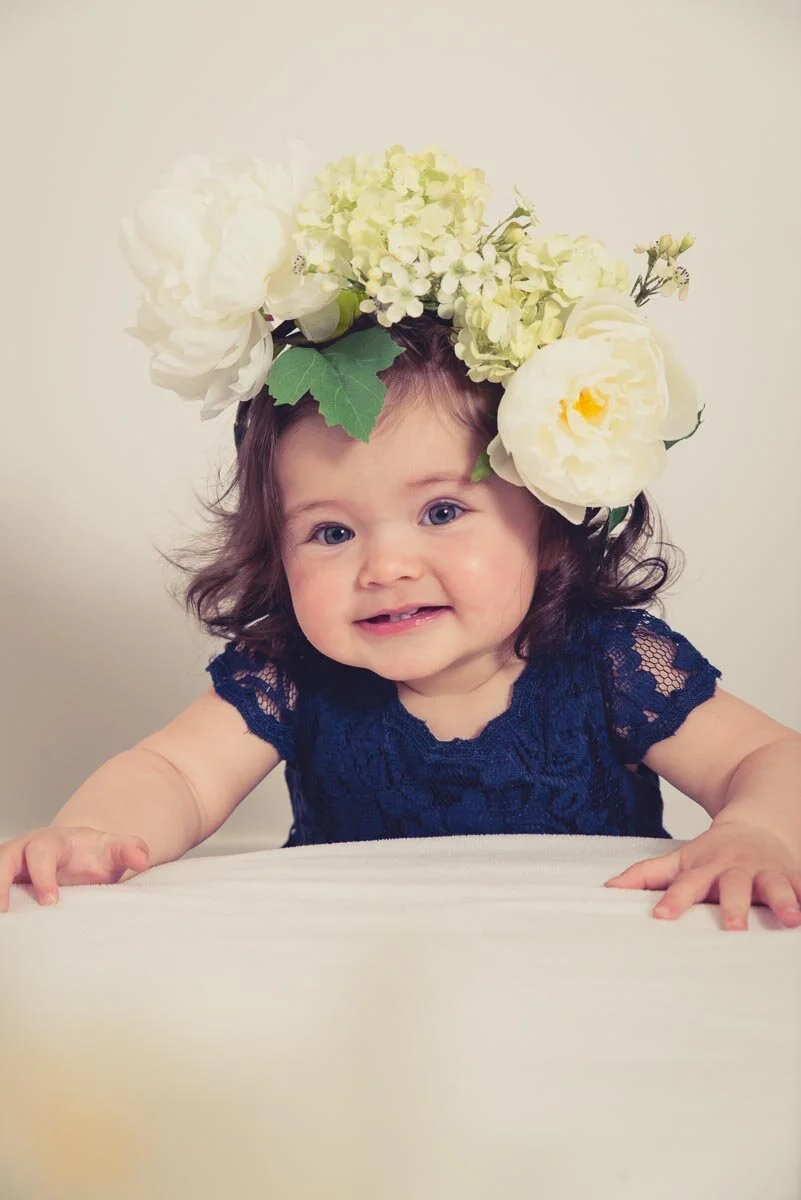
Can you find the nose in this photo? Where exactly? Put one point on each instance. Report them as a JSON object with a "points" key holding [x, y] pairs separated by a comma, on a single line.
{"points": [[388, 558]]}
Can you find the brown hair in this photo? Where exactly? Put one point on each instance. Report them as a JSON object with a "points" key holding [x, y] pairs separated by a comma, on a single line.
{"points": [[238, 589]]}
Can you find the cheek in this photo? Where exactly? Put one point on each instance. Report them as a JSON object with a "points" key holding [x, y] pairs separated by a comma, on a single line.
{"points": [[495, 575], [317, 592]]}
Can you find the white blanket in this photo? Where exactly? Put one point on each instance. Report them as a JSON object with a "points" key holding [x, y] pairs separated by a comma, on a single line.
{"points": [[434, 1019]]}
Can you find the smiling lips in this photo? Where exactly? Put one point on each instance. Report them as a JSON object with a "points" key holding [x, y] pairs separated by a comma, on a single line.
{"points": [[402, 619]]}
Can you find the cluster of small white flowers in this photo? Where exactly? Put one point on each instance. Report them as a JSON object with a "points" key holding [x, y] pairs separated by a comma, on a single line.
{"points": [[392, 227], [514, 298], [671, 277], [405, 231]]}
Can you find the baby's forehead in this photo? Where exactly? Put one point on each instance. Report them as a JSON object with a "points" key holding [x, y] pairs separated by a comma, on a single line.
{"points": [[406, 429], [410, 447]]}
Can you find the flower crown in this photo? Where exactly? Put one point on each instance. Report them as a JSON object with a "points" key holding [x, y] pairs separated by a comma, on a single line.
{"points": [[255, 275]]}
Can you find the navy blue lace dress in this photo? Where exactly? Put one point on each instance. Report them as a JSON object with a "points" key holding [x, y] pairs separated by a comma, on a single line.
{"points": [[360, 766]]}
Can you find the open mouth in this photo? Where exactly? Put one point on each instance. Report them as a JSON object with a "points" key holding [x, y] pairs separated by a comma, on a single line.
{"points": [[406, 615]]}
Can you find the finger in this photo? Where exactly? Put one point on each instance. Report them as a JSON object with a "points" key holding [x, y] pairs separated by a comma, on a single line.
{"points": [[137, 855], [131, 854], [43, 858], [11, 867], [735, 887], [690, 888], [651, 874], [778, 893]]}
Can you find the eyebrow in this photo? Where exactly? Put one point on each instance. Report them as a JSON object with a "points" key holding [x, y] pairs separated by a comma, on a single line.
{"points": [[430, 480], [412, 485]]}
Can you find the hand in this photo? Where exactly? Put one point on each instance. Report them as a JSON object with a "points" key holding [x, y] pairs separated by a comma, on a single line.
{"points": [[725, 865], [62, 855]]}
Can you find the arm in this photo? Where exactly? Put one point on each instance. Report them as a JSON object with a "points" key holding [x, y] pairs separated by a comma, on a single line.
{"points": [[179, 785], [745, 770], [738, 764]]}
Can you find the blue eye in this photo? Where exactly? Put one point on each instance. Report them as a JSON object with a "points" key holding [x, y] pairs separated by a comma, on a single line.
{"points": [[332, 535], [444, 512]]}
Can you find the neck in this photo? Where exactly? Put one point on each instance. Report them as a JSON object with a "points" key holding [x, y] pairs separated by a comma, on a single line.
{"points": [[468, 676]]}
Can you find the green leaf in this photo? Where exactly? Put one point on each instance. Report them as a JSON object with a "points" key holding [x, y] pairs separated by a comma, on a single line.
{"points": [[354, 393], [342, 378], [616, 515], [291, 374], [482, 469], [687, 435]]}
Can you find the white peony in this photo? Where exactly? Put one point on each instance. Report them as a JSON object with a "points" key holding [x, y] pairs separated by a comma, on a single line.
{"points": [[214, 247], [583, 423]]}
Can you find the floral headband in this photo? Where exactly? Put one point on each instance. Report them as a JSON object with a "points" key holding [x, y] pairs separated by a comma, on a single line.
{"points": [[255, 275]]}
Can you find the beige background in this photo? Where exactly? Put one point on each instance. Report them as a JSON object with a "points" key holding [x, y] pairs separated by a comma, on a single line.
{"points": [[622, 120]]}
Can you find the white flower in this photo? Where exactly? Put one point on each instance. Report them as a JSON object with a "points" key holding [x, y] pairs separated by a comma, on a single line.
{"points": [[409, 209], [537, 279], [674, 278], [583, 423], [485, 271], [400, 298], [572, 266], [214, 246], [527, 204], [496, 336], [493, 337]]}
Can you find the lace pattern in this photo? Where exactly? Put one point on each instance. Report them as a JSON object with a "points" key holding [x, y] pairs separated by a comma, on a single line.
{"points": [[652, 678], [263, 694]]}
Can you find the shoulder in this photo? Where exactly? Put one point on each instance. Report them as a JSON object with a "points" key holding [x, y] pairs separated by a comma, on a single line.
{"points": [[651, 676], [298, 679], [604, 623], [265, 692], [666, 710], [642, 641], [242, 664]]}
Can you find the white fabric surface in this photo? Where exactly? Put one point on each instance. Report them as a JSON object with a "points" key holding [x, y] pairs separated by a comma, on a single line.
{"points": [[433, 1019]]}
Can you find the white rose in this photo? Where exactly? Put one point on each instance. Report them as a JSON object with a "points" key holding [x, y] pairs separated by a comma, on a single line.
{"points": [[213, 246], [583, 423]]}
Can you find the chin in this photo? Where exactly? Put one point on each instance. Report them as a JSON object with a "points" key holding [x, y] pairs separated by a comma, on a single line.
{"points": [[401, 668], [388, 660]]}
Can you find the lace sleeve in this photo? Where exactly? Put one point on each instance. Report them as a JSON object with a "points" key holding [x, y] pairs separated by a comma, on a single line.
{"points": [[262, 693], [651, 677]]}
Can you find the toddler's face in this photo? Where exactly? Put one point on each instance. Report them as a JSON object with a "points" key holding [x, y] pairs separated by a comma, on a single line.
{"points": [[395, 525]]}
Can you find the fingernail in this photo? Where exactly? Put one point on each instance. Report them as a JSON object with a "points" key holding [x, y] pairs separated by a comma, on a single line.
{"points": [[49, 898], [662, 912]]}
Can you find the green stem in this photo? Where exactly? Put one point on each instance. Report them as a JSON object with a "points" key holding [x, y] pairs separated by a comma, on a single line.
{"points": [[644, 293], [514, 216]]}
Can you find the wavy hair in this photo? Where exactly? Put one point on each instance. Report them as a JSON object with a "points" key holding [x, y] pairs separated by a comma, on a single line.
{"points": [[235, 585]]}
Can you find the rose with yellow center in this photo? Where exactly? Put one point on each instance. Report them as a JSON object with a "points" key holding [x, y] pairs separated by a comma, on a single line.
{"points": [[583, 423], [586, 404]]}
